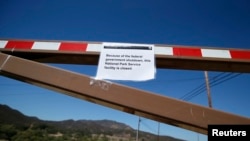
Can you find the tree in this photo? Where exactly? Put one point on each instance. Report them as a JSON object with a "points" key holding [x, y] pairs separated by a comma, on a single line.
{"points": [[7, 131]]}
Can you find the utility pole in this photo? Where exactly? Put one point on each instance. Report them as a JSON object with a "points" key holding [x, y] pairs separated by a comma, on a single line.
{"points": [[138, 128], [158, 131], [208, 89]]}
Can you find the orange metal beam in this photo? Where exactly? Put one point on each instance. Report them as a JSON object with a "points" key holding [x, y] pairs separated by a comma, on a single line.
{"points": [[153, 106]]}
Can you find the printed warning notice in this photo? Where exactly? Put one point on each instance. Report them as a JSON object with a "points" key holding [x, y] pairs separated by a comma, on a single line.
{"points": [[134, 62]]}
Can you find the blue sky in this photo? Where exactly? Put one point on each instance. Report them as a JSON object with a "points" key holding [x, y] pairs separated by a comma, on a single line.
{"points": [[210, 23]]}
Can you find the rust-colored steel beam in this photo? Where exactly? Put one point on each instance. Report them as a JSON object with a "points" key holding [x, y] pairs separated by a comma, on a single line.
{"points": [[167, 56], [153, 106]]}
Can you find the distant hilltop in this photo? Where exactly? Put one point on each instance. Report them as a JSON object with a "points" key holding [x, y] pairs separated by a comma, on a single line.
{"points": [[16, 126]]}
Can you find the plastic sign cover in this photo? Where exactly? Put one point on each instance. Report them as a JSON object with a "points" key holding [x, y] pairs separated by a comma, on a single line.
{"points": [[121, 61]]}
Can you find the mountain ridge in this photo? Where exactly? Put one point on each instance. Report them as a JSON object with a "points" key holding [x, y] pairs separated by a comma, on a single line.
{"points": [[71, 129]]}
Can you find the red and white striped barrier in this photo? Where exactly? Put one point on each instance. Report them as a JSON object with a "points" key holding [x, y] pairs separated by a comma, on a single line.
{"points": [[177, 51]]}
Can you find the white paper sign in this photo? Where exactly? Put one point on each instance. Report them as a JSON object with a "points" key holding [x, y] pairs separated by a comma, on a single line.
{"points": [[120, 61]]}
